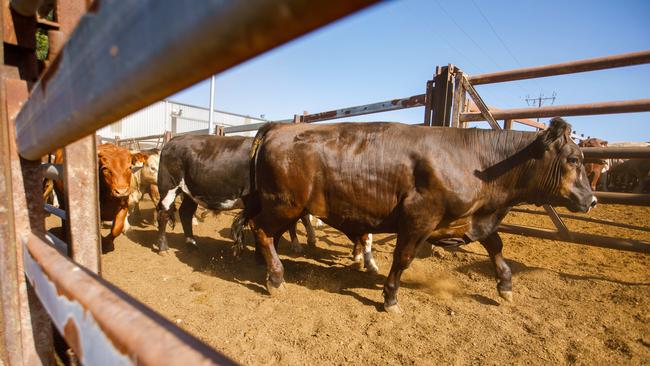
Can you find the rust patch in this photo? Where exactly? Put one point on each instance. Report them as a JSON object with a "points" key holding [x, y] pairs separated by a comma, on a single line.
{"points": [[92, 6], [71, 334], [51, 70]]}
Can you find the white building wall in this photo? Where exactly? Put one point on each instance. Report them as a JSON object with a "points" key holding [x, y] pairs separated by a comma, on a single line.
{"points": [[171, 116]]}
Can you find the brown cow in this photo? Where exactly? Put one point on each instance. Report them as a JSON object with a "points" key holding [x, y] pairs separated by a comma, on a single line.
{"points": [[593, 167], [115, 165], [416, 181]]}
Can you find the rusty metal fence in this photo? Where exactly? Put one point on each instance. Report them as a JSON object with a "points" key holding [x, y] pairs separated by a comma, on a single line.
{"points": [[119, 57]]}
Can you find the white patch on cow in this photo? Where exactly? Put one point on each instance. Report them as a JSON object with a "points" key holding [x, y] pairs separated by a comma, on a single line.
{"points": [[170, 197], [369, 261], [357, 258], [55, 199], [229, 204], [368, 244], [127, 226], [319, 222], [195, 222], [186, 190]]}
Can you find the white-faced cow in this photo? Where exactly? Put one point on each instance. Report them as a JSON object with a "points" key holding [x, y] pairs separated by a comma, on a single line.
{"points": [[416, 181], [144, 181]]}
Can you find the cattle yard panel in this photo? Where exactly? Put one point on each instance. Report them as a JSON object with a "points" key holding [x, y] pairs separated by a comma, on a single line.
{"points": [[87, 86]]}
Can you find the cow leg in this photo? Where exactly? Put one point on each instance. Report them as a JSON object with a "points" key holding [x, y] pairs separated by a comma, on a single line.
{"points": [[155, 198], [274, 268], [295, 244], [116, 229], [494, 245], [368, 261], [186, 212], [311, 234], [165, 209], [403, 255]]}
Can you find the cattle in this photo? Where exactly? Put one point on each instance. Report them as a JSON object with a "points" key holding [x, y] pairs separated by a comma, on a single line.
{"points": [[212, 171], [630, 176], [144, 181], [415, 181], [594, 167], [115, 164]]}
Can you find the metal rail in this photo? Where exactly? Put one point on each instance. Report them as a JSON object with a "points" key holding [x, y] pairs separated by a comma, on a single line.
{"points": [[579, 238], [583, 218], [116, 78], [616, 152], [55, 211], [102, 324], [635, 199], [592, 64], [630, 106], [389, 105]]}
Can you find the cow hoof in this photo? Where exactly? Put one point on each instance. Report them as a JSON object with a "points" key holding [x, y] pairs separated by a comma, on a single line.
{"points": [[372, 269], [190, 242], [394, 309], [311, 243], [163, 253], [297, 248], [506, 295], [275, 291], [358, 266]]}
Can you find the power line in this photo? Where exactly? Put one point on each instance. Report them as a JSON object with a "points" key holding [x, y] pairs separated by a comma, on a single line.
{"points": [[497, 34]]}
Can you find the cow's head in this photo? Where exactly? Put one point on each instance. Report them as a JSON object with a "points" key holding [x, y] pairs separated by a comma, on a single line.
{"points": [[115, 166], [560, 177], [150, 169]]}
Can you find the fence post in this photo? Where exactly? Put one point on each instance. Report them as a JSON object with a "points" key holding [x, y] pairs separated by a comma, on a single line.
{"points": [[428, 102], [507, 124], [442, 97], [218, 130]]}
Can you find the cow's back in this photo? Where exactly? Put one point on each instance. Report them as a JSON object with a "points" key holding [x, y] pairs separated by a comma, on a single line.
{"points": [[364, 170], [212, 169]]}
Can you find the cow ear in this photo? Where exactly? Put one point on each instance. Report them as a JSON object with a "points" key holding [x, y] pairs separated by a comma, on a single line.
{"points": [[604, 143], [138, 158], [557, 129]]}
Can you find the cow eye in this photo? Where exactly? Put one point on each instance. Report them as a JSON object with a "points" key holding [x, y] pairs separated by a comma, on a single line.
{"points": [[572, 160]]}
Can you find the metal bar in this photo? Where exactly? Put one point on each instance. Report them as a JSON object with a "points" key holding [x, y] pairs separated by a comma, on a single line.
{"points": [[243, 128], [635, 199], [616, 152], [82, 202], [459, 91], [562, 230], [118, 67], [55, 211], [28, 216], [485, 111], [102, 324], [52, 171], [58, 244], [442, 97], [584, 218], [607, 62], [428, 102], [629, 106], [579, 238], [523, 121], [389, 105]]}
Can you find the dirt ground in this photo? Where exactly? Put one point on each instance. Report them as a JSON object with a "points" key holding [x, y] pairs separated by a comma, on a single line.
{"points": [[573, 304]]}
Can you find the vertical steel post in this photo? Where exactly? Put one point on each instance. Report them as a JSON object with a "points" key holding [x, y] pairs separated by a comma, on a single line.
{"points": [[442, 97], [211, 112], [428, 102]]}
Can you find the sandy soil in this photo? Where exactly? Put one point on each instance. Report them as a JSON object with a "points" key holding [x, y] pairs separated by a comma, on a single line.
{"points": [[574, 304]]}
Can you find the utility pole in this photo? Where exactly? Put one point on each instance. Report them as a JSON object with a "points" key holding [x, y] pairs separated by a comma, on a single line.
{"points": [[211, 113], [540, 100]]}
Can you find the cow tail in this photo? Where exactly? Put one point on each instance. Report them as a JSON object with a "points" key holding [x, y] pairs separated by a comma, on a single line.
{"points": [[251, 201]]}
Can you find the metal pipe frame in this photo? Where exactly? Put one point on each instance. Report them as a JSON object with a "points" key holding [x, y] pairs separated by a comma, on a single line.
{"points": [[579, 238], [389, 105], [628, 106], [572, 67], [583, 218], [119, 66], [634, 199], [616, 152], [55, 211], [101, 323]]}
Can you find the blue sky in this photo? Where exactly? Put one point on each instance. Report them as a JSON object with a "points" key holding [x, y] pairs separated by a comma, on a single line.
{"points": [[390, 50]]}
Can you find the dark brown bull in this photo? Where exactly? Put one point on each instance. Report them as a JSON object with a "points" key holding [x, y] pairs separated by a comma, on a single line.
{"points": [[593, 167], [418, 182]]}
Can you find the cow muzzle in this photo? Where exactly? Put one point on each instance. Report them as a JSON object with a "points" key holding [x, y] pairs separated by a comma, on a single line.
{"points": [[121, 192]]}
